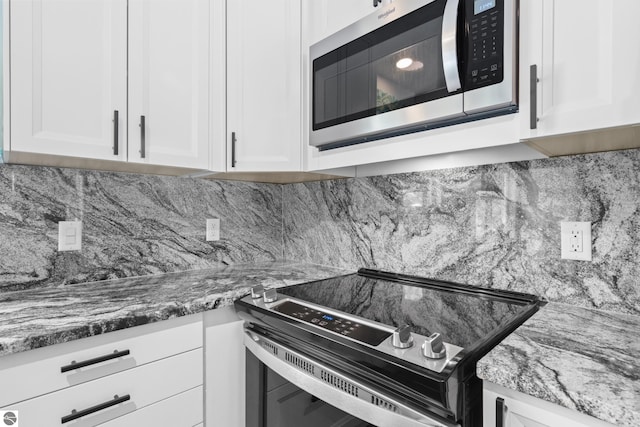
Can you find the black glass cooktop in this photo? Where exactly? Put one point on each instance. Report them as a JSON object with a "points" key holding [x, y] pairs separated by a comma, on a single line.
{"points": [[464, 316]]}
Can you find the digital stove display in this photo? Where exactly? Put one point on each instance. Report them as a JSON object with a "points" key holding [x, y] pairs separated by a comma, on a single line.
{"points": [[348, 328]]}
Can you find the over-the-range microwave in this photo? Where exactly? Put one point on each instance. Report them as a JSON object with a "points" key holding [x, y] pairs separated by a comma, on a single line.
{"points": [[414, 65]]}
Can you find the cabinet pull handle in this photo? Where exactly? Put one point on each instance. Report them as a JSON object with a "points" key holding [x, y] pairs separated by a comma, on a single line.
{"points": [[143, 152], [77, 365], [116, 124], [233, 149], [74, 415], [500, 411], [533, 88]]}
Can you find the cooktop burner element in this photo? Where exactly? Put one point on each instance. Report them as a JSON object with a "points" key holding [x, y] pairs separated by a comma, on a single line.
{"points": [[417, 338]]}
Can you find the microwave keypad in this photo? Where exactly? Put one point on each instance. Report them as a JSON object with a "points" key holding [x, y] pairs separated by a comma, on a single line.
{"points": [[485, 47], [345, 327]]}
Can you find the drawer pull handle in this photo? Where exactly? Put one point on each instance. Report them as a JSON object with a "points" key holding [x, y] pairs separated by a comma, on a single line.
{"points": [[77, 365], [74, 415]]}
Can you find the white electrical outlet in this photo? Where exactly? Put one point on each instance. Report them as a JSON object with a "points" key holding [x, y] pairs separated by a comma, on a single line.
{"points": [[69, 236], [213, 229], [575, 240]]}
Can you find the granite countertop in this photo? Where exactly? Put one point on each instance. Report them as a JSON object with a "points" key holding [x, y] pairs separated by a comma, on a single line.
{"points": [[40, 317], [579, 358]]}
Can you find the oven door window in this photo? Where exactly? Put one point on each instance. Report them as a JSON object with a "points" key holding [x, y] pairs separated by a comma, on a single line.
{"points": [[396, 66], [288, 406]]}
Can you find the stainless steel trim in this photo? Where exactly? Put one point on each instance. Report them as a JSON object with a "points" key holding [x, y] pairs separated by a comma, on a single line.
{"points": [[450, 45], [504, 93], [335, 388], [412, 354]]}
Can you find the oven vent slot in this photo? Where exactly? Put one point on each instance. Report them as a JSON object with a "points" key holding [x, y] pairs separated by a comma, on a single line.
{"points": [[339, 383], [383, 404], [270, 347], [299, 363]]}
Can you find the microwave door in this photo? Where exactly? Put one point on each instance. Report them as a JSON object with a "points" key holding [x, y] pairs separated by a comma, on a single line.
{"points": [[398, 78]]}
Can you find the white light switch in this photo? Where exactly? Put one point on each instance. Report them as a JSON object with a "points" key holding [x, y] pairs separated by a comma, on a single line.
{"points": [[213, 229], [69, 236]]}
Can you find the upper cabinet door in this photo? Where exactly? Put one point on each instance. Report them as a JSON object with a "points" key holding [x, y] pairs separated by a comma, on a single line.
{"points": [[588, 64], [263, 85], [169, 82], [68, 77]]}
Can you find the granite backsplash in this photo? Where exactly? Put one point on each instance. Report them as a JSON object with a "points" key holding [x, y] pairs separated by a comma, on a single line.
{"points": [[494, 225], [132, 224]]}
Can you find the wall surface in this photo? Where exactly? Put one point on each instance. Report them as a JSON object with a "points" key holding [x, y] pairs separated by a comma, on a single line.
{"points": [[495, 226], [132, 224]]}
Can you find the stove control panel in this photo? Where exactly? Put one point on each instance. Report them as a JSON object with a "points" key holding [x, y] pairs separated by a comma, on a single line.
{"points": [[348, 328]]}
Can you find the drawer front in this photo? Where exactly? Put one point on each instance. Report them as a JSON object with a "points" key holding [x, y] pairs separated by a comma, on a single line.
{"points": [[37, 372], [144, 385], [183, 410]]}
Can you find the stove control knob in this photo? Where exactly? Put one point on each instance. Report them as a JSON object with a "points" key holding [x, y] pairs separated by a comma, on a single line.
{"points": [[270, 295], [433, 348], [257, 291], [401, 337]]}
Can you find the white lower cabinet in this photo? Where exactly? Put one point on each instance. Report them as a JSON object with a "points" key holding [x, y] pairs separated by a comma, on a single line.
{"points": [[182, 410], [224, 369], [157, 369], [521, 410]]}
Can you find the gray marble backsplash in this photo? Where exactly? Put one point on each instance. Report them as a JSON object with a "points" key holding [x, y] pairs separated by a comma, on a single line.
{"points": [[496, 226], [132, 224]]}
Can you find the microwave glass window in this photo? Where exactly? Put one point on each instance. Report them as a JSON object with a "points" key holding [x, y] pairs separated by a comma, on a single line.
{"points": [[393, 67]]}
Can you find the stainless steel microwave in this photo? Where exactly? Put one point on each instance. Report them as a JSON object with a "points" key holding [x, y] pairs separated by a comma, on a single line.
{"points": [[411, 66]]}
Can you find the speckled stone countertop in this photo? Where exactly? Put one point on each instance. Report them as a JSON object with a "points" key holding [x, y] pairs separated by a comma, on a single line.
{"points": [[40, 317], [583, 359]]}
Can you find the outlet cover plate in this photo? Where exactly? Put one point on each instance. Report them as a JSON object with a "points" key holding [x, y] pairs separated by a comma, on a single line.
{"points": [[213, 230], [69, 236], [575, 240]]}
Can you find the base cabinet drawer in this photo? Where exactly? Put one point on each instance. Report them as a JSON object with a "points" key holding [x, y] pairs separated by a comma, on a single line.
{"points": [[182, 410], [37, 372], [141, 387]]}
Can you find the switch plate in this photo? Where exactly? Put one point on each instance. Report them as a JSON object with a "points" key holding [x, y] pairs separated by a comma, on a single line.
{"points": [[575, 238], [213, 230], [69, 236]]}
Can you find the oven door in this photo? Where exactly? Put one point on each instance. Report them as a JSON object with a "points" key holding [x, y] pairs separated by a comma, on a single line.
{"points": [[393, 70], [287, 389]]}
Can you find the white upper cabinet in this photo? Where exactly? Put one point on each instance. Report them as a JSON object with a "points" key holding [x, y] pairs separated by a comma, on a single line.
{"points": [[587, 64], [329, 16], [263, 86], [68, 78], [169, 82]]}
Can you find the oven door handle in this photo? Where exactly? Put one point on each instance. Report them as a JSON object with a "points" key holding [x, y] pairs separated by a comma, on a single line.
{"points": [[450, 46], [335, 388]]}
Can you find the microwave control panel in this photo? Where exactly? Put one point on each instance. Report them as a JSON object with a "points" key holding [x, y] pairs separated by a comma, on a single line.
{"points": [[485, 43]]}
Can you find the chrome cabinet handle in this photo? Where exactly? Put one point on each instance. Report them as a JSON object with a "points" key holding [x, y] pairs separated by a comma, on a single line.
{"points": [[533, 97], [77, 365], [143, 152], [233, 149], [74, 415], [450, 46], [116, 124]]}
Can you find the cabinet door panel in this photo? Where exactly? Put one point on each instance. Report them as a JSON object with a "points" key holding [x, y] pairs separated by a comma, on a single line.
{"points": [[144, 385], [589, 71], [264, 78], [169, 81], [68, 76]]}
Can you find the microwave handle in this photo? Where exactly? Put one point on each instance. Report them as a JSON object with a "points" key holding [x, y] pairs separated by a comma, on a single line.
{"points": [[450, 45]]}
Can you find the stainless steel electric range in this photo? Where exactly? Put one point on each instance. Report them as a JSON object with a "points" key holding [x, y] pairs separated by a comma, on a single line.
{"points": [[373, 348]]}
